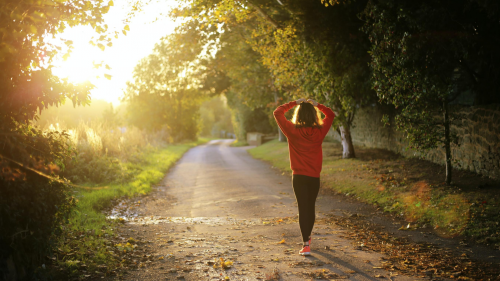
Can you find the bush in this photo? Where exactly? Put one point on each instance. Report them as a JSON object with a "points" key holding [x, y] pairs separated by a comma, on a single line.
{"points": [[31, 214]]}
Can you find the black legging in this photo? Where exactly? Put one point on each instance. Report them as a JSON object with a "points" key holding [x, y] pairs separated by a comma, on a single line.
{"points": [[306, 190]]}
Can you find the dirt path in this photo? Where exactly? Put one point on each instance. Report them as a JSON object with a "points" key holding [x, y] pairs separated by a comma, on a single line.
{"points": [[222, 215]]}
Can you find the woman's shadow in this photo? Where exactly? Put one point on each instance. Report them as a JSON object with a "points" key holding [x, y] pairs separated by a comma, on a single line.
{"points": [[342, 263]]}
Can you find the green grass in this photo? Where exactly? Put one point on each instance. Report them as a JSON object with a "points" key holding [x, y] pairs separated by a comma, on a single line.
{"points": [[274, 152], [239, 143], [85, 237], [398, 186]]}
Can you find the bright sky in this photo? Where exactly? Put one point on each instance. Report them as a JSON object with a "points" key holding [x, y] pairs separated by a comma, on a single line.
{"points": [[122, 56]]}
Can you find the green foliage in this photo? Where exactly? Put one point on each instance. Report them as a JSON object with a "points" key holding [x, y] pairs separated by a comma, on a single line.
{"points": [[237, 72], [32, 211], [101, 152], [27, 83], [27, 87], [246, 119], [410, 70], [215, 117], [318, 52], [299, 49], [165, 91], [424, 56]]}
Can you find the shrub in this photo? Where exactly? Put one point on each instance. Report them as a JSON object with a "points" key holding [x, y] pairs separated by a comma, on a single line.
{"points": [[31, 213]]}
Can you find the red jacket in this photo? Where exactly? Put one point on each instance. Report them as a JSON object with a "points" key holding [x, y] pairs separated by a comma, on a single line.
{"points": [[304, 144]]}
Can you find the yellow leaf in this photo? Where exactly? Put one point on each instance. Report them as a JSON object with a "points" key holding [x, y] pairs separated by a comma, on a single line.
{"points": [[107, 76], [108, 67], [110, 3], [127, 28], [282, 241], [101, 46]]}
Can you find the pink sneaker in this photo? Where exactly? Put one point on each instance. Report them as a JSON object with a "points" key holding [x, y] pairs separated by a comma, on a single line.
{"points": [[306, 251]]}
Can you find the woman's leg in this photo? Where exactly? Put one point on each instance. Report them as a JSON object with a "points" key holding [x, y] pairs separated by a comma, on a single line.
{"points": [[306, 190]]}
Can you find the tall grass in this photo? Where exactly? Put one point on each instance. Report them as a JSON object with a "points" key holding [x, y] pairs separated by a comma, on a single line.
{"points": [[105, 154]]}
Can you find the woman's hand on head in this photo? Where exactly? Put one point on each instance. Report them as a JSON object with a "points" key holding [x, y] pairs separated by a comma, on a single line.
{"points": [[299, 101], [315, 103]]}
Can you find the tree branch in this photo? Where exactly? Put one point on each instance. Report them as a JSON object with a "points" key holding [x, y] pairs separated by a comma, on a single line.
{"points": [[263, 14]]}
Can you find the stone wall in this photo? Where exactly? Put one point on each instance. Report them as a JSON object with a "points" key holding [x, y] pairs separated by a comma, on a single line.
{"points": [[479, 139]]}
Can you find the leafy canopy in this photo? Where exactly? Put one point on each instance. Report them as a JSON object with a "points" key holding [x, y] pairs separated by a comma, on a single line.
{"points": [[165, 91]]}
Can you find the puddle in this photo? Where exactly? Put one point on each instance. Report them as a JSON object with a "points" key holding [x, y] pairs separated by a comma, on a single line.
{"points": [[126, 212], [134, 219], [123, 210]]}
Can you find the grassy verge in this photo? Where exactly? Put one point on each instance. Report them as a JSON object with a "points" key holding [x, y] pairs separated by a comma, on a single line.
{"points": [[410, 188], [238, 143], [84, 245]]}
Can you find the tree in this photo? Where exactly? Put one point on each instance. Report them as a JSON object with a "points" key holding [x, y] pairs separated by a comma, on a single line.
{"points": [[320, 51], [215, 117], [309, 49], [26, 83], [248, 84], [165, 90], [32, 204], [424, 55]]}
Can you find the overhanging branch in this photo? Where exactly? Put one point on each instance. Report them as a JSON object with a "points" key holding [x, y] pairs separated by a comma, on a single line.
{"points": [[263, 14]]}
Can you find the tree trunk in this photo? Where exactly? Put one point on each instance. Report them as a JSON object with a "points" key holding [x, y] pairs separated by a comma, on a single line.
{"points": [[347, 147], [281, 136], [447, 141]]}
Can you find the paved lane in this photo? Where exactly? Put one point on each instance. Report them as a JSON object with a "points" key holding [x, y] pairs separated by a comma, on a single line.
{"points": [[215, 176], [219, 202]]}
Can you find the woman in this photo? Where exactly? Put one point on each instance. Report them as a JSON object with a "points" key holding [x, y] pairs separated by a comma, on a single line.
{"points": [[305, 135]]}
